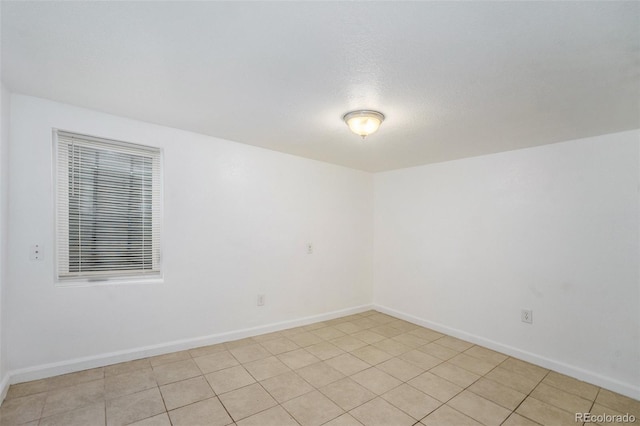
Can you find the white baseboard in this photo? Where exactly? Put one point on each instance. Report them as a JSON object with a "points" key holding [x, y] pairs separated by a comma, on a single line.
{"points": [[101, 360], [614, 385], [4, 386]]}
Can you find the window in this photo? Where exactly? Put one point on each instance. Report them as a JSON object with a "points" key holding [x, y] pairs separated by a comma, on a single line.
{"points": [[108, 202]]}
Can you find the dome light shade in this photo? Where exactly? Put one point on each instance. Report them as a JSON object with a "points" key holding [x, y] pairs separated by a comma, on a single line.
{"points": [[363, 122]]}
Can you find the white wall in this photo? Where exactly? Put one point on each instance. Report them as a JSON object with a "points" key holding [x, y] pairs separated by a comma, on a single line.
{"points": [[4, 223], [465, 245], [236, 222]]}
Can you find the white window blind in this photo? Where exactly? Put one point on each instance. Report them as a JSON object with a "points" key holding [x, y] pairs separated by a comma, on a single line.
{"points": [[108, 208]]}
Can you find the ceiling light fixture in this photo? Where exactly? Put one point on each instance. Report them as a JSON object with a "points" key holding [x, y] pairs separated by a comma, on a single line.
{"points": [[363, 122]]}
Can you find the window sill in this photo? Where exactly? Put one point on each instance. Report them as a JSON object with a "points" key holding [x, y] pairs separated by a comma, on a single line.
{"points": [[109, 282]]}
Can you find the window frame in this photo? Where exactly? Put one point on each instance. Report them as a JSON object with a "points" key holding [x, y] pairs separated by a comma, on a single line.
{"points": [[116, 278]]}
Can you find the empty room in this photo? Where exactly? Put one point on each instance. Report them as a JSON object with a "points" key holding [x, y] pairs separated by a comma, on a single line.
{"points": [[319, 213]]}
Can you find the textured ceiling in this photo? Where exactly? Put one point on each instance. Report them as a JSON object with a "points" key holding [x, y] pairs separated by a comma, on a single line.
{"points": [[454, 79]]}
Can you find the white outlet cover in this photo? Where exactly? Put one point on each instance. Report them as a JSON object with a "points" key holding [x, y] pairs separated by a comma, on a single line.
{"points": [[526, 316]]}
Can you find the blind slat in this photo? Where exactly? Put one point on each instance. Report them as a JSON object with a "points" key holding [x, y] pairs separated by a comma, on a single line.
{"points": [[108, 208]]}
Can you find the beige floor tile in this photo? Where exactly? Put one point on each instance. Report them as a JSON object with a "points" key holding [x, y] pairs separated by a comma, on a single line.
{"points": [[75, 378], [23, 409], [130, 382], [410, 340], [292, 331], [601, 410], [618, 402], [420, 359], [33, 423], [247, 401], [305, 339], [486, 354], [298, 359], [478, 408], [185, 392], [276, 416], [250, 353], [131, 408], [377, 381], [386, 331], [368, 336], [328, 333], [348, 343], [403, 326], [157, 420], [500, 394], [372, 355], [268, 337], [229, 379], [438, 351], [410, 400], [312, 409], [474, 365], [234, 344], [379, 412], [320, 355], [364, 322], [168, 358], [347, 393], [315, 326], [525, 369], [126, 367], [571, 385], [455, 374], [435, 386], [400, 369], [264, 368], [353, 317], [392, 347], [320, 374], [280, 345], [335, 321], [27, 388], [512, 380], [216, 361], [348, 327], [91, 415], [561, 399], [426, 334], [209, 412], [176, 371], [347, 364], [544, 413], [344, 420], [207, 350], [517, 420], [381, 318], [447, 416], [72, 397], [286, 386], [453, 343], [324, 350]]}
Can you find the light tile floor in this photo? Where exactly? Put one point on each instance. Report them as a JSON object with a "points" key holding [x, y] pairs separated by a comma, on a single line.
{"points": [[363, 369]]}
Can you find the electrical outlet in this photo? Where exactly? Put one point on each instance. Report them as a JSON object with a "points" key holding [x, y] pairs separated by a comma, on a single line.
{"points": [[309, 248], [527, 316], [261, 300]]}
